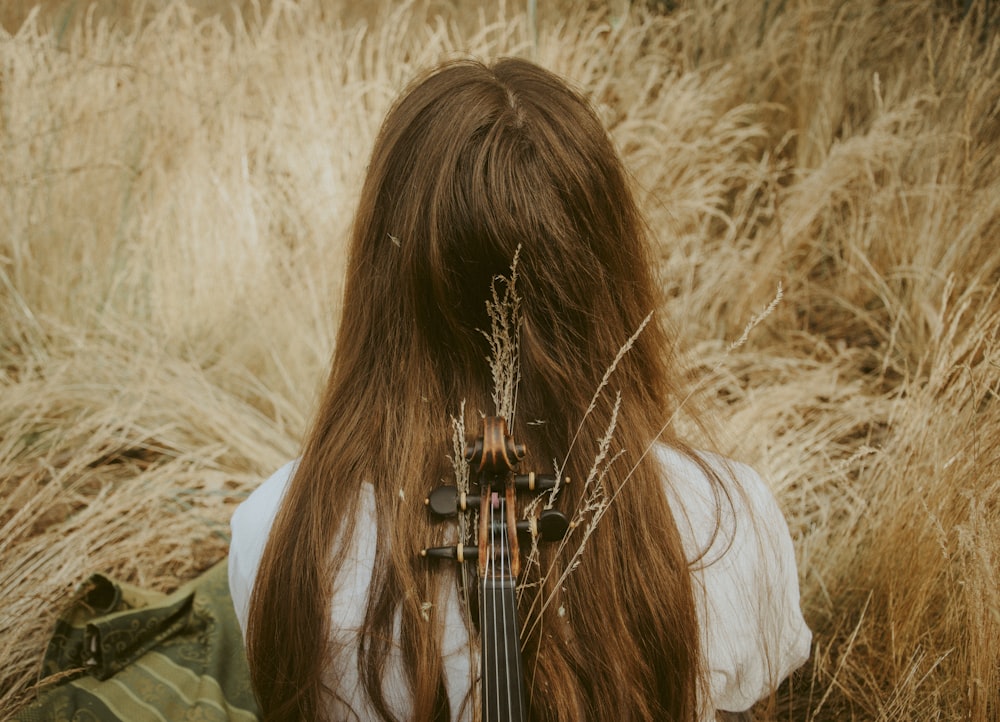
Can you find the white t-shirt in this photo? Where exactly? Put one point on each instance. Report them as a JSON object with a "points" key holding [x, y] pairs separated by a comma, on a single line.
{"points": [[743, 567]]}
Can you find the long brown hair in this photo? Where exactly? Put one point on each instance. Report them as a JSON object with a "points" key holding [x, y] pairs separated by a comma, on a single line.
{"points": [[473, 163]]}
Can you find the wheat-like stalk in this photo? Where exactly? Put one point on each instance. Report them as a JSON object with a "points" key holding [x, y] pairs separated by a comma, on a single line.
{"points": [[504, 311], [560, 468]]}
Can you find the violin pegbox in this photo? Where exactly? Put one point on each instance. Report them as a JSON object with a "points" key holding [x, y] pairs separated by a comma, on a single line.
{"points": [[493, 455]]}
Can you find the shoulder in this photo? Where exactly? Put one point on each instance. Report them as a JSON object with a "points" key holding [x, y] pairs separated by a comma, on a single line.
{"points": [[252, 519], [263, 502], [249, 527], [745, 576], [718, 502]]}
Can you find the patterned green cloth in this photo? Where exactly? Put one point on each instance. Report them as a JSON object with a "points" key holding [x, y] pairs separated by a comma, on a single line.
{"points": [[123, 653]]}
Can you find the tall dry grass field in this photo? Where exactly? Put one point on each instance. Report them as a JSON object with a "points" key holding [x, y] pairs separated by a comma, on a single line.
{"points": [[177, 181]]}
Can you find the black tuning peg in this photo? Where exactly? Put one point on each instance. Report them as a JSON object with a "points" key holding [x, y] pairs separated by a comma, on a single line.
{"points": [[460, 553], [447, 500], [552, 525], [536, 482]]}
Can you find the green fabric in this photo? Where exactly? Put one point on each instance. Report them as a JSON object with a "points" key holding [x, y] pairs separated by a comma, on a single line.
{"points": [[123, 653]]}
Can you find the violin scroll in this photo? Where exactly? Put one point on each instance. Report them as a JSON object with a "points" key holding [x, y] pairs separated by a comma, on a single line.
{"points": [[495, 452]]}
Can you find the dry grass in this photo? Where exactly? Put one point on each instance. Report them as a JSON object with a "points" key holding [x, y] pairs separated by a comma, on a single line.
{"points": [[174, 195]]}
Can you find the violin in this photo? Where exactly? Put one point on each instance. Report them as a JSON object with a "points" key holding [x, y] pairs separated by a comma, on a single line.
{"points": [[493, 457]]}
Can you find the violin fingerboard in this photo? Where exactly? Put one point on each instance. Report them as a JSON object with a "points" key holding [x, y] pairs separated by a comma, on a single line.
{"points": [[503, 695]]}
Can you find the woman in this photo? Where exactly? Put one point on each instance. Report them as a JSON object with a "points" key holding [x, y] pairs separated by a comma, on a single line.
{"points": [[684, 598]]}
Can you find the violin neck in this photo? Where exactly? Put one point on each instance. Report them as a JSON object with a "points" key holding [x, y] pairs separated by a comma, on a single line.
{"points": [[503, 697]]}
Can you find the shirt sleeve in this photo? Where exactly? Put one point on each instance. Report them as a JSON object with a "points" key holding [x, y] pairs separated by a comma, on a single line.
{"points": [[746, 584], [249, 528]]}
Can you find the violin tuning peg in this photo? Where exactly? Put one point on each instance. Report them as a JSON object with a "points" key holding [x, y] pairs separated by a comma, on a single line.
{"points": [[535, 482], [552, 525], [443, 501], [447, 500], [459, 553]]}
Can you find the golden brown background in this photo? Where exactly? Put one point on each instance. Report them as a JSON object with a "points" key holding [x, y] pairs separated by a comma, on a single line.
{"points": [[176, 184]]}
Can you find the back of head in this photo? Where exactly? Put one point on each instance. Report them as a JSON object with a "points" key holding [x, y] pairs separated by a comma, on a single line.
{"points": [[473, 164]]}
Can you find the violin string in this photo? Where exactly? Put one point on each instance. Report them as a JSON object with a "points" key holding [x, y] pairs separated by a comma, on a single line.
{"points": [[510, 599], [499, 629], [484, 606], [503, 615], [493, 700], [504, 577]]}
